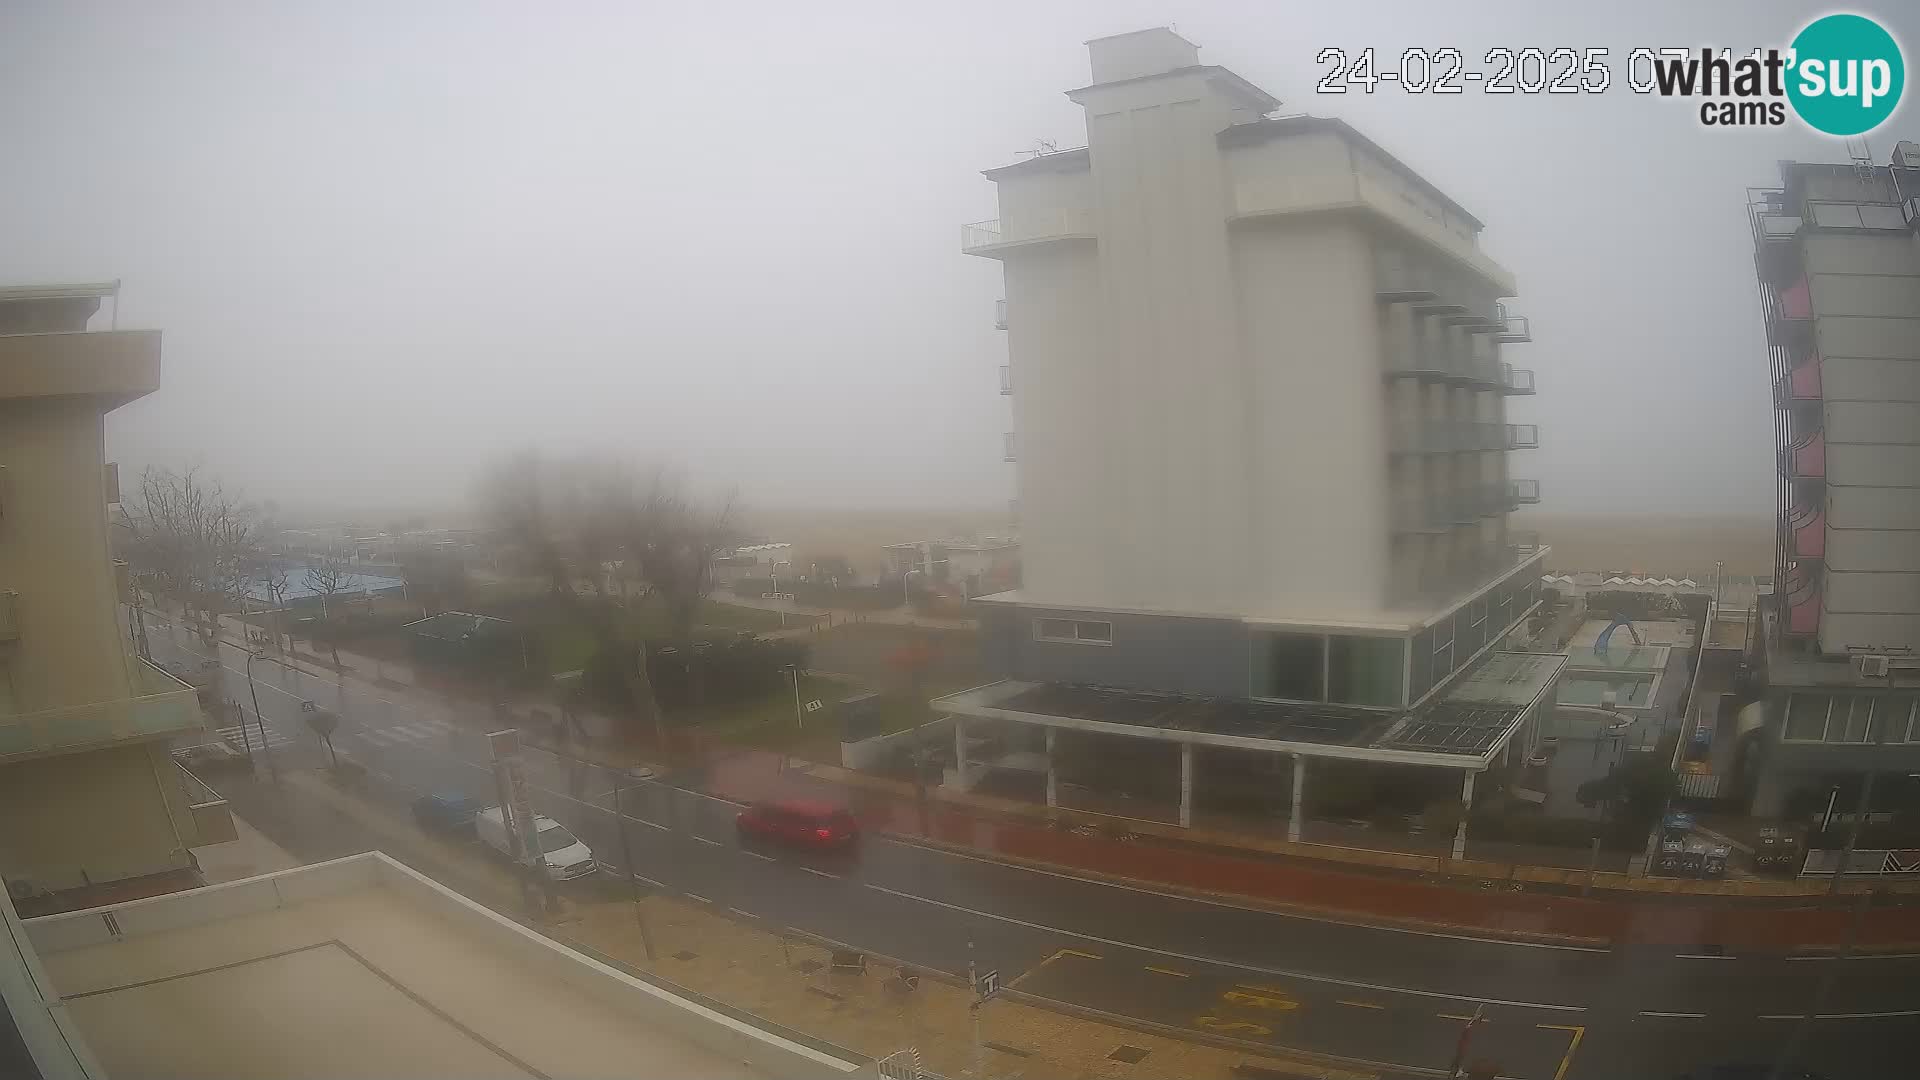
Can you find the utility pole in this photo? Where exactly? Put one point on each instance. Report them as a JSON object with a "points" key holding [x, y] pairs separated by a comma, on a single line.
{"points": [[973, 1012], [633, 873], [257, 718]]}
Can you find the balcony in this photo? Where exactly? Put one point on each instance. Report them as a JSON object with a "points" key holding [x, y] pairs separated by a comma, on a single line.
{"points": [[1008, 455], [1523, 437], [999, 314], [1800, 384], [9, 616], [990, 239], [1006, 379], [1803, 600], [1523, 492], [1416, 363], [1516, 381], [162, 705], [1809, 527], [1522, 542], [1776, 239], [212, 820], [1807, 458], [1513, 328]]}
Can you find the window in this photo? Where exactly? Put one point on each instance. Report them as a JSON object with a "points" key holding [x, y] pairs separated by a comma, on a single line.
{"points": [[1297, 667], [1850, 720], [1075, 631], [1365, 670], [1901, 718], [1420, 663], [1806, 717], [1442, 648], [1477, 612]]}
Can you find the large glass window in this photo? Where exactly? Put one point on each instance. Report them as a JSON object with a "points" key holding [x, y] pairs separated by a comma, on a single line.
{"points": [[1365, 670], [1851, 720], [1297, 666], [1807, 717], [1442, 648], [1076, 631]]}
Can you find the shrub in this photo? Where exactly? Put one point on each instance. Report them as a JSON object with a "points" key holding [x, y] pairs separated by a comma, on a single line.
{"points": [[720, 674]]}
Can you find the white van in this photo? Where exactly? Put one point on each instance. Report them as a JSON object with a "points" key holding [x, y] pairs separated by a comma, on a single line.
{"points": [[565, 856]]}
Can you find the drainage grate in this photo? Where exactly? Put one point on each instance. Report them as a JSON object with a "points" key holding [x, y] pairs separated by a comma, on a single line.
{"points": [[1132, 1055], [808, 966], [1005, 1049], [685, 954]]}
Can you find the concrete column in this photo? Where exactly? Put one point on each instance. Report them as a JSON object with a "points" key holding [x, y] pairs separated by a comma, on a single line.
{"points": [[1186, 785], [1299, 791], [1053, 777], [1466, 809], [960, 752]]}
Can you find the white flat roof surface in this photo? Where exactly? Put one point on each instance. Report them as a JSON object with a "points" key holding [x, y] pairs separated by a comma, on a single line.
{"points": [[365, 983]]}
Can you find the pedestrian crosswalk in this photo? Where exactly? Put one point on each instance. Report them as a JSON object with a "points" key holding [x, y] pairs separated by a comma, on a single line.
{"points": [[234, 737], [414, 731]]}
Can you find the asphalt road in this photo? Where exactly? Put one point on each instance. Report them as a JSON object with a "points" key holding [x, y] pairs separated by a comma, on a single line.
{"points": [[1398, 999]]}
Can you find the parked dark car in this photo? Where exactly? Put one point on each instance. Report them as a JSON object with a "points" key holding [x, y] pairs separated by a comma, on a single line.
{"points": [[445, 813], [800, 823]]}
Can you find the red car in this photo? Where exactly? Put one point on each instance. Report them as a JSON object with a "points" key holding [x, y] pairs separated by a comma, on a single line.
{"points": [[800, 823]]}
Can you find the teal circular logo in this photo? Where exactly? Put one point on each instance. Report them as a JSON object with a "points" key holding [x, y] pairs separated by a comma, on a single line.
{"points": [[1847, 75]]}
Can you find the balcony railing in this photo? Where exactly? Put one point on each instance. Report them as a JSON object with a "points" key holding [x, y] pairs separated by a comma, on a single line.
{"points": [[212, 820], [999, 314], [1523, 492], [1006, 378], [1515, 380], [1061, 223], [9, 616], [1523, 437], [1522, 542], [161, 705], [1009, 454], [1514, 328]]}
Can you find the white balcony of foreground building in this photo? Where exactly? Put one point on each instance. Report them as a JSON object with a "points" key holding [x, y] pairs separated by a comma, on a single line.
{"points": [[1522, 437], [993, 238], [161, 706], [1515, 381], [1523, 492]]}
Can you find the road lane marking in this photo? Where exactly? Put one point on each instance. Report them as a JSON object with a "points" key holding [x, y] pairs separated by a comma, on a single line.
{"points": [[1167, 971], [1227, 1023], [1358, 1004], [712, 843], [820, 873], [757, 855], [1842, 1016], [743, 914], [1216, 962], [1860, 956], [1272, 912], [1572, 1045], [1058, 953], [1672, 1015], [1274, 1000], [643, 821], [1464, 1019], [698, 897], [1703, 956]]}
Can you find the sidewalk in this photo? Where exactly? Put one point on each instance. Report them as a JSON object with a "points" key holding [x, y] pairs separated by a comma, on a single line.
{"points": [[1492, 899]]}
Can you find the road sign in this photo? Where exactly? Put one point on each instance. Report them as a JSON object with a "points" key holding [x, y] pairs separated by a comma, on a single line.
{"points": [[987, 985], [814, 705]]}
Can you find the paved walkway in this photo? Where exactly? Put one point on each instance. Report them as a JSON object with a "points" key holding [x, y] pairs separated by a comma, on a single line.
{"points": [[248, 855]]}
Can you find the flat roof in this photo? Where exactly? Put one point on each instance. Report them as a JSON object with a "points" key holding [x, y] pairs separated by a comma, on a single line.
{"points": [[1303, 123], [363, 967], [1464, 728], [93, 290]]}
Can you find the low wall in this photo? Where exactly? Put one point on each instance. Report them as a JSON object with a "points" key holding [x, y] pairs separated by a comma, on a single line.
{"points": [[867, 753]]}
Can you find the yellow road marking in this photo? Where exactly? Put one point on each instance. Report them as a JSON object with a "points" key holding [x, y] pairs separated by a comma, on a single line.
{"points": [[1358, 1004], [1076, 952], [1262, 989], [1221, 1023], [1573, 1044], [1259, 1001], [1167, 971], [1457, 1016]]}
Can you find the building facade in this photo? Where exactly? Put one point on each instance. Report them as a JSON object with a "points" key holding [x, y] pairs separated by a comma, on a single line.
{"points": [[1260, 403], [1839, 268], [88, 793]]}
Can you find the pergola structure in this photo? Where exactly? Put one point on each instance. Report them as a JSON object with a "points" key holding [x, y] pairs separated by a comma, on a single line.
{"points": [[1473, 726]]}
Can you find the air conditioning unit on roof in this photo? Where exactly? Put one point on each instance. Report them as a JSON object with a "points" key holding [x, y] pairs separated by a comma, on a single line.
{"points": [[1874, 667]]}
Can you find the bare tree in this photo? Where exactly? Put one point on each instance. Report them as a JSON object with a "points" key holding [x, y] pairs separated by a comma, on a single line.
{"points": [[606, 537], [276, 581], [192, 541], [327, 576]]}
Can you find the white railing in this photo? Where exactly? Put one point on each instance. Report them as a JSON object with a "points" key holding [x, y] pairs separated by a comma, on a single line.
{"points": [[1006, 378], [161, 705], [999, 314], [1523, 436]]}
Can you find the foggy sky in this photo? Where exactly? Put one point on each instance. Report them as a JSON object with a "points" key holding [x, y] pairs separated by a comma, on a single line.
{"points": [[389, 242]]}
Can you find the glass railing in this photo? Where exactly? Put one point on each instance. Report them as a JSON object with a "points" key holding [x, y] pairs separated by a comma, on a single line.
{"points": [[1523, 436], [1523, 491], [1516, 380], [161, 705]]}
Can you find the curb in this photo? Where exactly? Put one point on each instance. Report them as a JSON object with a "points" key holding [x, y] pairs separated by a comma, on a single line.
{"points": [[1322, 914]]}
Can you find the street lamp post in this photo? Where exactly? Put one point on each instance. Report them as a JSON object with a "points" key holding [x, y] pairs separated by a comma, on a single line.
{"points": [[906, 598], [254, 690]]}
